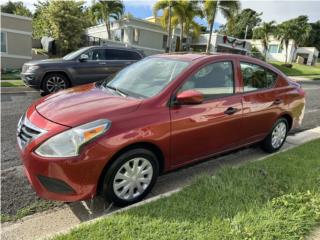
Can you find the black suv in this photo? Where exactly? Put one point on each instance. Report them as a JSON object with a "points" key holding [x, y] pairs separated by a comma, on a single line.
{"points": [[89, 64]]}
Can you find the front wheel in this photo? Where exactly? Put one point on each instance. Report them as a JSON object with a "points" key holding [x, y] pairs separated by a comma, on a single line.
{"points": [[54, 82], [131, 177], [276, 138]]}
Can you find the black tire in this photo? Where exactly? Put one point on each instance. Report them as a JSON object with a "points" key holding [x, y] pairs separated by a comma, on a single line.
{"points": [[61, 79], [109, 178], [267, 145]]}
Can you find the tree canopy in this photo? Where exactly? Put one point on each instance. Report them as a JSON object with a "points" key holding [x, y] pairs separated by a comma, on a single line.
{"points": [[17, 8]]}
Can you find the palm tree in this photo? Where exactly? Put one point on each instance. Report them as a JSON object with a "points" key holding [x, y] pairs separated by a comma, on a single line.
{"points": [[183, 13], [284, 34], [210, 8], [103, 11], [264, 32]]}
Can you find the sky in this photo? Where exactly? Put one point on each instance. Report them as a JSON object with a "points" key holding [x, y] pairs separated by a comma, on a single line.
{"points": [[278, 10]]}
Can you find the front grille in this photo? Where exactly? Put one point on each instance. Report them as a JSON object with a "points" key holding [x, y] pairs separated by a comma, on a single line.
{"points": [[27, 132]]}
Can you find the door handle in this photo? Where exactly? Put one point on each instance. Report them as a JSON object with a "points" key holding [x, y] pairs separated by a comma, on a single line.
{"points": [[277, 101], [231, 110], [102, 63]]}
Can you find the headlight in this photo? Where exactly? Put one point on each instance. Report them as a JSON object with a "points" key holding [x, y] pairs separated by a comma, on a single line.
{"points": [[32, 68], [68, 143]]}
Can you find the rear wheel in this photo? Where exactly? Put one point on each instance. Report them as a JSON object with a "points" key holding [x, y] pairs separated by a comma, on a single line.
{"points": [[276, 138], [131, 177], [54, 82]]}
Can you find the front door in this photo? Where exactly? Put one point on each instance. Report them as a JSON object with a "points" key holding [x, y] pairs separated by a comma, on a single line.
{"points": [[212, 126]]}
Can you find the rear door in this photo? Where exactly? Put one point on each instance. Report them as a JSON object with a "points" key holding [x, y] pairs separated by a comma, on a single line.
{"points": [[212, 126], [262, 101]]}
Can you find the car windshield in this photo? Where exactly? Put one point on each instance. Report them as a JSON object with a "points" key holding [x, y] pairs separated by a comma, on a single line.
{"points": [[147, 77], [73, 55]]}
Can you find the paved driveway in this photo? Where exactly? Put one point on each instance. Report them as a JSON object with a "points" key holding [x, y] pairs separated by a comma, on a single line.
{"points": [[16, 191]]}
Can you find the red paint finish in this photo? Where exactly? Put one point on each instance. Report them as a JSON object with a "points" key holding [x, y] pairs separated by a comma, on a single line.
{"points": [[182, 133]]}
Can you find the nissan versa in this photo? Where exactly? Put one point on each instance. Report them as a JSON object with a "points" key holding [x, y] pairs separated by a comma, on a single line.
{"points": [[114, 138]]}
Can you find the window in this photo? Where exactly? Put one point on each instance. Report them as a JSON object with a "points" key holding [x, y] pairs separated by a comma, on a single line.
{"points": [[164, 41], [3, 42], [97, 55], [114, 54], [136, 34], [213, 80], [256, 77], [273, 48]]}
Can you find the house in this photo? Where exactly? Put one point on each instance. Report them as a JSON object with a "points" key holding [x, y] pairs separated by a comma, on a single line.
{"points": [[221, 43], [145, 34], [277, 51], [149, 36], [16, 40]]}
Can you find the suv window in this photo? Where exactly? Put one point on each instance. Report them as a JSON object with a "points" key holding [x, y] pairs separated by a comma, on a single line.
{"points": [[256, 77], [213, 80], [96, 55], [114, 54]]}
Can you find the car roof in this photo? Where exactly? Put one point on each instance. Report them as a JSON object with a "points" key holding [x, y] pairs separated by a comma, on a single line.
{"points": [[193, 56]]}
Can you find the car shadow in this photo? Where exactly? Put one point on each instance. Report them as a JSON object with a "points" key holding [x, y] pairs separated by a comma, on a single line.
{"points": [[97, 206]]}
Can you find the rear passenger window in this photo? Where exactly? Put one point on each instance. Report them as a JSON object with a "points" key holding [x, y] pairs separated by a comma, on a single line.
{"points": [[213, 80], [114, 54], [256, 77]]}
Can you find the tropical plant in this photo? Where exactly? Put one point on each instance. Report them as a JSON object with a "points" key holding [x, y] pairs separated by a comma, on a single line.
{"points": [[236, 26], [17, 8], [264, 32], [66, 23], [297, 29], [314, 36], [210, 9], [103, 11]]}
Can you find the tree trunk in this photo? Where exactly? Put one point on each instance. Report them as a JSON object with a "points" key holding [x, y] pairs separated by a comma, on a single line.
{"points": [[209, 40], [108, 30], [169, 31], [181, 38], [287, 45]]}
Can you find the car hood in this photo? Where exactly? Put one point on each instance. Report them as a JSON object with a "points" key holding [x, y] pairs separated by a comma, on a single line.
{"points": [[79, 105]]}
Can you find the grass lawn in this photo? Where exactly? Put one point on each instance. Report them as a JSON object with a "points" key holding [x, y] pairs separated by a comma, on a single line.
{"points": [[313, 77], [297, 69], [12, 83], [10, 76], [276, 198]]}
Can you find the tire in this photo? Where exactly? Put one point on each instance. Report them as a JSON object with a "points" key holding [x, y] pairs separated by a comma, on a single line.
{"points": [[276, 138], [124, 191], [54, 82]]}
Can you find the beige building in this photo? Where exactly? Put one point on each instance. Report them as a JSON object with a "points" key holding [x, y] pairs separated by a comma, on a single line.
{"points": [[16, 40]]}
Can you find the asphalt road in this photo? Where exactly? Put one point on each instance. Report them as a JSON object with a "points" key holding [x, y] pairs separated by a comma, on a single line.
{"points": [[16, 191]]}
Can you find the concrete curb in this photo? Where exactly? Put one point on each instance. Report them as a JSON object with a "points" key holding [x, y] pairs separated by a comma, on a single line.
{"points": [[64, 220], [13, 90]]}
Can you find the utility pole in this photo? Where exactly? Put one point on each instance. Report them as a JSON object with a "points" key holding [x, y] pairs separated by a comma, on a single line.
{"points": [[169, 29]]}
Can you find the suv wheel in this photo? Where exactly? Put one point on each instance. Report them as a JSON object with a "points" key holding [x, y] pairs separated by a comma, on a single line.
{"points": [[131, 177], [54, 82], [274, 141]]}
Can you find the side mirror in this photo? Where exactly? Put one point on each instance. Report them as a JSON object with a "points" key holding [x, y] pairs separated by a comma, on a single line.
{"points": [[83, 57], [189, 97]]}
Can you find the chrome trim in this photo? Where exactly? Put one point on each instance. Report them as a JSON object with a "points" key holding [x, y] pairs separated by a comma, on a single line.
{"points": [[27, 132]]}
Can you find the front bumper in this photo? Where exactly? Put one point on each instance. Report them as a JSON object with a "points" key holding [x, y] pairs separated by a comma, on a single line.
{"points": [[63, 179], [32, 80]]}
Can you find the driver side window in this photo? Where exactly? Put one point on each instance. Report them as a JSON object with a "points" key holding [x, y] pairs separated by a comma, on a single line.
{"points": [[213, 80], [96, 55]]}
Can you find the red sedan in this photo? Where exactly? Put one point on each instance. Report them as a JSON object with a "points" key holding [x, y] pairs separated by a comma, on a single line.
{"points": [[154, 116]]}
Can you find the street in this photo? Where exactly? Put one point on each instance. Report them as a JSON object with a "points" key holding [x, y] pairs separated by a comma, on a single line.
{"points": [[17, 192]]}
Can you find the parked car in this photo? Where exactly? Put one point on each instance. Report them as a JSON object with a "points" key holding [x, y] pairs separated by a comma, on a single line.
{"points": [[159, 114], [86, 65]]}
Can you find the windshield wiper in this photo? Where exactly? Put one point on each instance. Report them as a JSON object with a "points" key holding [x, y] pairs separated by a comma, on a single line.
{"points": [[120, 92]]}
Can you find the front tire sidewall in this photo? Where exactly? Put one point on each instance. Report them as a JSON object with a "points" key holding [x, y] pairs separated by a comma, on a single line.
{"points": [[44, 84], [108, 190], [267, 142]]}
